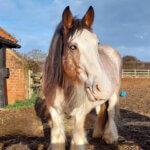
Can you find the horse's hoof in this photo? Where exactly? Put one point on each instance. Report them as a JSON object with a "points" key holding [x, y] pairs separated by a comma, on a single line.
{"points": [[56, 147], [109, 138], [78, 147], [97, 133]]}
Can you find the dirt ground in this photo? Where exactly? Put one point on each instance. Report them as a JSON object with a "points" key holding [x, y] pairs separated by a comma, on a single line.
{"points": [[27, 128]]}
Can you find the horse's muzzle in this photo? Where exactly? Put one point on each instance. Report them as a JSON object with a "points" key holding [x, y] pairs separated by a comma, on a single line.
{"points": [[93, 91]]}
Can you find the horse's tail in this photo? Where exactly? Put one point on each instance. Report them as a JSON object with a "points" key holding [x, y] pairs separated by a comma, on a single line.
{"points": [[117, 112]]}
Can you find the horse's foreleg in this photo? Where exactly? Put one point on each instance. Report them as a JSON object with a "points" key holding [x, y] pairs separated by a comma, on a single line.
{"points": [[79, 137], [57, 131], [110, 134], [100, 122]]}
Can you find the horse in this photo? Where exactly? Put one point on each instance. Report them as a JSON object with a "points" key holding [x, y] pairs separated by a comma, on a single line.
{"points": [[80, 74]]}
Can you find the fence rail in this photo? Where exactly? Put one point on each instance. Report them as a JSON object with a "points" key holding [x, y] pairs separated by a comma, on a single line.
{"points": [[135, 73]]}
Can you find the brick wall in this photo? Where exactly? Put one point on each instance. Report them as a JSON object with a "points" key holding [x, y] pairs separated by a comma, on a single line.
{"points": [[18, 82]]}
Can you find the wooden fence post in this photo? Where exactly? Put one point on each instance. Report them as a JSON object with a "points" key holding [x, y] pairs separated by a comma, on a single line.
{"points": [[30, 83], [122, 73], [135, 73]]}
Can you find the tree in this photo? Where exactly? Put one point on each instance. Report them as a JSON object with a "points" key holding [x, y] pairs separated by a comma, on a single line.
{"points": [[35, 60], [130, 59], [36, 55]]}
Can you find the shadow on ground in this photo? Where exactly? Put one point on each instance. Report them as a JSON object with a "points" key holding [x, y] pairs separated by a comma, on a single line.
{"points": [[134, 129]]}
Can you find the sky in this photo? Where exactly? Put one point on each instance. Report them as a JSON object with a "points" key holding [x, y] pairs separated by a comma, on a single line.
{"points": [[122, 24]]}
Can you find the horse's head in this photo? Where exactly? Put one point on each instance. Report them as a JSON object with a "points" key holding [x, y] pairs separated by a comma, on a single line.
{"points": [[80, 59]]}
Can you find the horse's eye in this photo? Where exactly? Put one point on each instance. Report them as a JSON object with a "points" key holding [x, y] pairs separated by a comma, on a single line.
{"points": [[73, 47]]}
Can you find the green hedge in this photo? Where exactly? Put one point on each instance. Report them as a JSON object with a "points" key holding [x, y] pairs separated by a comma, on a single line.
{"points": [[23, 104]]}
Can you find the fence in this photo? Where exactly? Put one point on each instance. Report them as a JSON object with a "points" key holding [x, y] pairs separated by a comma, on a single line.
{"points": [[135, 73], [35, 81]]}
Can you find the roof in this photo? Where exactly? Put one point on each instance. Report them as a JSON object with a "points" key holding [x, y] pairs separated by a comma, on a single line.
{"points": [[8, 39], [4, 34]]}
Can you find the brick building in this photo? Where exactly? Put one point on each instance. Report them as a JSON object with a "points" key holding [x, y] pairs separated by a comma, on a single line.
{"points": [[17, 84]]}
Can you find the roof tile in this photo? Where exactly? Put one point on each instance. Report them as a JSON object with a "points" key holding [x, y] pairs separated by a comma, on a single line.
{"points": [[4, 34]]}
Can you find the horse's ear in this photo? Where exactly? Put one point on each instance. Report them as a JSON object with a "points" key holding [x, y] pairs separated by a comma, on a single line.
{"points": [[67, 18], [89, 17]]}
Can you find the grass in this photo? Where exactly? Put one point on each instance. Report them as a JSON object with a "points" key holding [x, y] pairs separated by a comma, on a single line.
{"points": [[23, 104]]}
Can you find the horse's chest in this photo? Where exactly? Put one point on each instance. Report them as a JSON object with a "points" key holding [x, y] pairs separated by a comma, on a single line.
{"points": [[76, 101]]}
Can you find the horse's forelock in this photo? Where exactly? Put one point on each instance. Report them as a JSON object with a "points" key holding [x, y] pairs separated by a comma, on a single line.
{"points": [[77, 25]]}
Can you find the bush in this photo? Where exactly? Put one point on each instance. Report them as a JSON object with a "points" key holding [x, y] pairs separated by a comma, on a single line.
{"points": [[20, 104]]}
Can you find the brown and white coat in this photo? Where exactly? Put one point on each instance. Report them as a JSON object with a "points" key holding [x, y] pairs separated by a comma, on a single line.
{"points": [[80, 74]]}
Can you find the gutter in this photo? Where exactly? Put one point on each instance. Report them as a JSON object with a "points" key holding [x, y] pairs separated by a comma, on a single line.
{"points": [[9, 43]]}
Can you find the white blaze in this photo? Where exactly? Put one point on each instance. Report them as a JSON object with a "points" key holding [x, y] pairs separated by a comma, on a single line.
{"points": [[87, 43]]}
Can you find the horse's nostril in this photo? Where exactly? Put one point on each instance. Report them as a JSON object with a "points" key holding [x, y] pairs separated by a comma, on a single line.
{"points": [[97, 87]]}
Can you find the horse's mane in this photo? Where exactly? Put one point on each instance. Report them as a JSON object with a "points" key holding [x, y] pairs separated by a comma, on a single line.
{"points": [[53, 74]]}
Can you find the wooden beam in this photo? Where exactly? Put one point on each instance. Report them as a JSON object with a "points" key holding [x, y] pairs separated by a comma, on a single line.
{"points": [[4, 73]]}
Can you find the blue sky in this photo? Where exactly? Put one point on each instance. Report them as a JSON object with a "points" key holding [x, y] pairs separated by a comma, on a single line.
{"points": [[123, 24]]}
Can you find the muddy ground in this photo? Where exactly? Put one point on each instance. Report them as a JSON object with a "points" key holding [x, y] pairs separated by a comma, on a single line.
{"points": [[27, 128]]}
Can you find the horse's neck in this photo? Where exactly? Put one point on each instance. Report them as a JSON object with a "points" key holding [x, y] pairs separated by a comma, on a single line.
{"points": [[109, 62]]}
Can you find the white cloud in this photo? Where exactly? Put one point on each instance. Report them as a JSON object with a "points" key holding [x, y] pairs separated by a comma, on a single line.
{"points": [[141, 35]]}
